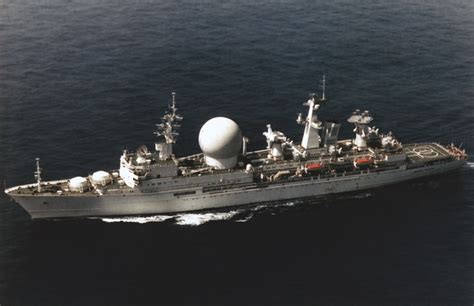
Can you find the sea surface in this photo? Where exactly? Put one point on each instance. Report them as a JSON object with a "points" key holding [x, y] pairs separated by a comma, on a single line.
{"points": [[80, 80]]}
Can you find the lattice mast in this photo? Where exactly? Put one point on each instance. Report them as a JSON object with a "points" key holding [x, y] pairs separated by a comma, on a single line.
{"points": [[167, 130]]}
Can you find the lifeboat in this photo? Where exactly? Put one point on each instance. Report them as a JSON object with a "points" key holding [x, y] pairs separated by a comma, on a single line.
{"points": [[363, 162], [314, 167]]}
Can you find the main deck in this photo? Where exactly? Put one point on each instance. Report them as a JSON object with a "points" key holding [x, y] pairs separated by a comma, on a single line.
{"points": [[417, 155]]}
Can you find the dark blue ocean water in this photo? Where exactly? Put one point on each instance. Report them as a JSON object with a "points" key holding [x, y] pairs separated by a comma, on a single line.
{"points": [[81, 80]]}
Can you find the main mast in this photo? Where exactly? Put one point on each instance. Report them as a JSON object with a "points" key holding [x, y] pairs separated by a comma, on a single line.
{"points": [[38, 174], [311, 137], [167, 130], [323, 85]]}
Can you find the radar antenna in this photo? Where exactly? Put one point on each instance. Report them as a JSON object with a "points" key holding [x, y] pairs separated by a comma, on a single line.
{"points": [[142, 151], [361, 129], [38, 174], [167, 129]]}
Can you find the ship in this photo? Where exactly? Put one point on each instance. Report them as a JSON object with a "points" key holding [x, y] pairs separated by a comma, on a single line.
{"points": [[225, 174]]}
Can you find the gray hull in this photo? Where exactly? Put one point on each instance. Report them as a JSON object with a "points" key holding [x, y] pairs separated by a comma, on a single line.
{"points": [[81, 205]]}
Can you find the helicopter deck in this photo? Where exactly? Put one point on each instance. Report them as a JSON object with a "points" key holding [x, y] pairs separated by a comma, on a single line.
{"points": [[426, 152]]}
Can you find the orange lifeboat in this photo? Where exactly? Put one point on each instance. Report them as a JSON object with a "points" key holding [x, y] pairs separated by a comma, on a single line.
{"points": [[363, 162], [314, 167]]}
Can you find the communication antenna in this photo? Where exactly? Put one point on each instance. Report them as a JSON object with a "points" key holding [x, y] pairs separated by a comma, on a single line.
{"points": [[323, 85], [173, 103], [167, 130], [142, 150], [170, 123], [38, 174]]}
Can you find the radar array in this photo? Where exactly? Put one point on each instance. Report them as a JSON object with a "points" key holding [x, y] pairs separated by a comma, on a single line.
{"points": [[170, 122]]}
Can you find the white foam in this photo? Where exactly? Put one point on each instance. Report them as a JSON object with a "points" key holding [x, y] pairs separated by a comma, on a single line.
{"points": [[259, 207], [247, 218], [140, 220], [470, 164], [195, 219], [201, 218], [363, 195], [272, 205], [190, 219], [288, 204]]}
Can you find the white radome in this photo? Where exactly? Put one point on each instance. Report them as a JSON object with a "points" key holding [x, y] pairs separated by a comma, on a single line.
{"points": [[220, 140], [101, 178], [78, 184]]}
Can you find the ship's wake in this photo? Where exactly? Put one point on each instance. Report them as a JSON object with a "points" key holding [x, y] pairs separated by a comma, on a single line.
{"points": [[194, 219], [141, 220], [198, 218], [470, 165], [239, 215], [188, 219]]}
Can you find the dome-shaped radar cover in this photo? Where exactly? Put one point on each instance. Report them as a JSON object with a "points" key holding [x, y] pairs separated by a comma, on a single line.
{"points": [[220, 137]]}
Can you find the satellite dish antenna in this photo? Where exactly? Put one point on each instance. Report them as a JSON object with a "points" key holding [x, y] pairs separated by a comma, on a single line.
{"points": [[142, 150]]}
